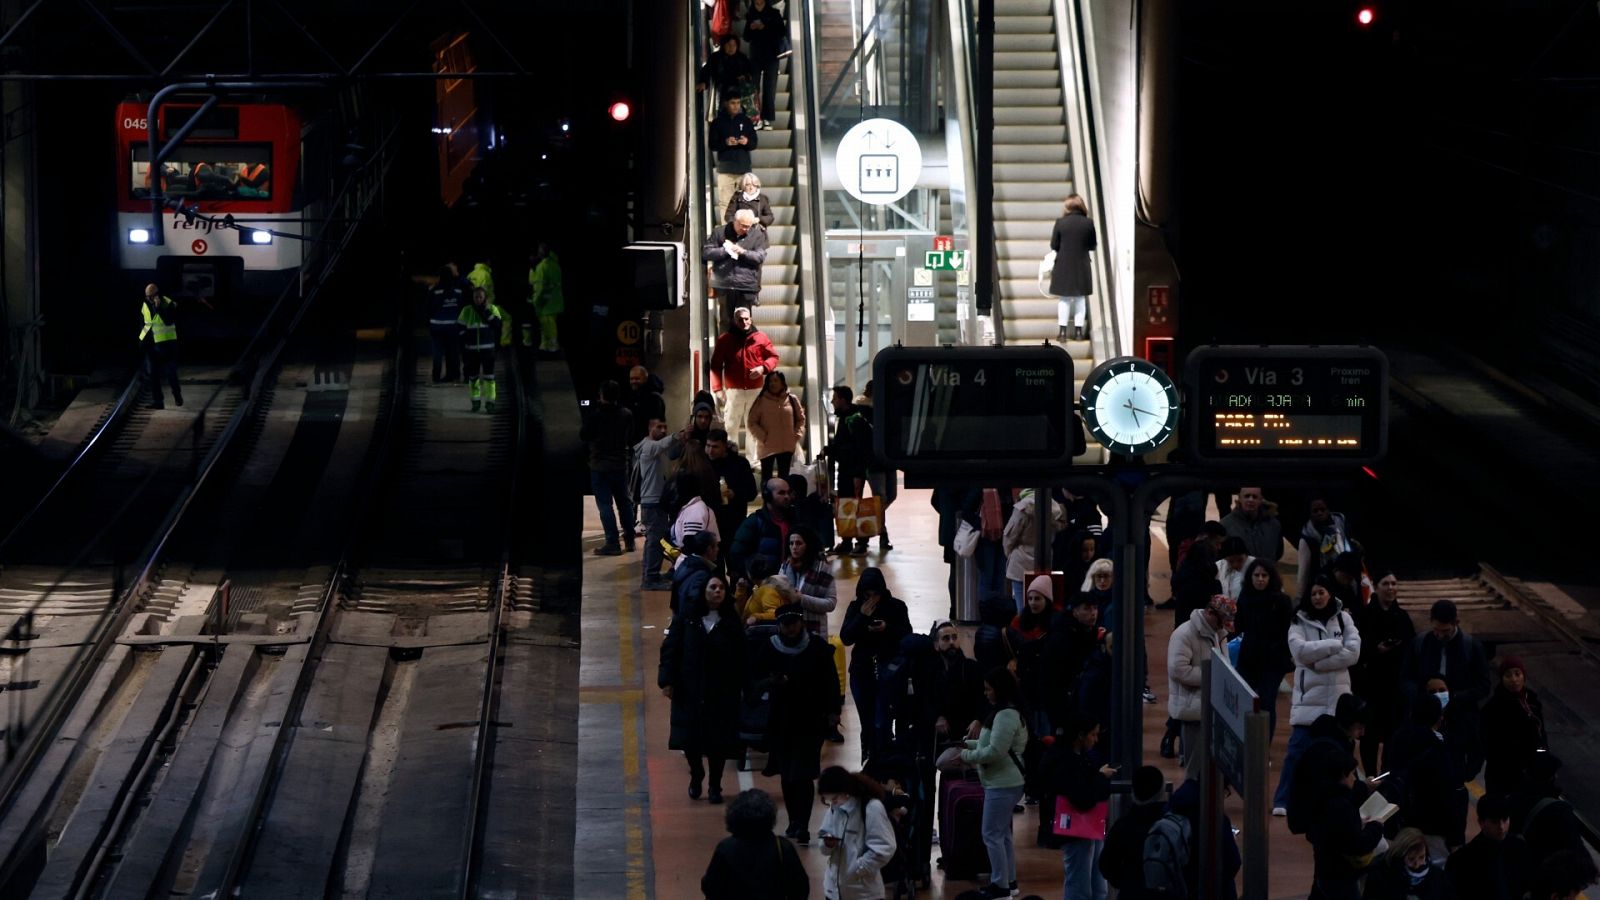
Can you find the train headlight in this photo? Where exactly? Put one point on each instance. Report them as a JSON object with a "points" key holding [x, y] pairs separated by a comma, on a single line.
{"points": [[260, 237], [138, 235]]}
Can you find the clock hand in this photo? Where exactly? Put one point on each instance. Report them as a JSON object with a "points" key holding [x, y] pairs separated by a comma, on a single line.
{"points": [[1135, 410], [1138, 410]]}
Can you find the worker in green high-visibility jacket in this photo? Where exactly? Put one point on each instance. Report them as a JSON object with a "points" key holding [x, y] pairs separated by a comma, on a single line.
{"points": [[480, 325], [159, 337], [544, 293]]}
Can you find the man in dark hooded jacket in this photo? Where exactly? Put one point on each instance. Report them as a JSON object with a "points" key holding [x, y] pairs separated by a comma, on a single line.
{"points": [[1122, 858], [795, 669]]}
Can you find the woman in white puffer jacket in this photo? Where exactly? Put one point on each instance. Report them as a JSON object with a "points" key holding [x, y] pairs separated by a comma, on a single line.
{"points": [[1324, 643]]}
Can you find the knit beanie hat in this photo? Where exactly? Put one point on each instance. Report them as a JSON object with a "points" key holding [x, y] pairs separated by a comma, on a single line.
{"points": [[1512, 662], [1044, 585]]}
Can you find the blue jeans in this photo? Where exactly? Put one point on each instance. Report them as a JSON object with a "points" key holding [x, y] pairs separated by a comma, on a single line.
{"points": [[997, 806], [1017, 594], [656, 525], [991, 561], [1299, 740], [611, 489], [1080, 865]]}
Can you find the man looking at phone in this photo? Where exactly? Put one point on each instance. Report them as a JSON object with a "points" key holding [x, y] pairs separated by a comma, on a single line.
{"points": [[1386, 630], [736, 252]]}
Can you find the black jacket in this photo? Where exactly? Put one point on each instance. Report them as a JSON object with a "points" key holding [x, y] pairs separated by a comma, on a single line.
{"points": [[606, 429], [705, 670], [1465, 667], [761, 206], [1487, 869], [1548, 828], [734, 160], [645, 405], [1388, 881], [764, 41], [725, 72], [1122, 858], [1433, 768], [741, 479], [874, 649], [1067, 773], [1337, 836], [1072, 239], [1511, 738], [1263, 622], [804, 689], [741, 273], [1378, 671], [764, 868]]}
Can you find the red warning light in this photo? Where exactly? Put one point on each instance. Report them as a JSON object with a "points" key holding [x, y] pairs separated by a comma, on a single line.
{"points": [[620, 111], [1365, 15]]}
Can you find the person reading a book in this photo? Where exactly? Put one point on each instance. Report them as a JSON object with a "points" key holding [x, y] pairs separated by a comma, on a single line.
{"points": [[1342, 842]]}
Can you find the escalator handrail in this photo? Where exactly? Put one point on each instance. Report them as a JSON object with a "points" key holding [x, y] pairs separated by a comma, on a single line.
{"points": [[809, 237]]}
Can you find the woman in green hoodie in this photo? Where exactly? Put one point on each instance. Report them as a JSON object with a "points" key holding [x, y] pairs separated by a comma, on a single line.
{"points": [[995, 746]]}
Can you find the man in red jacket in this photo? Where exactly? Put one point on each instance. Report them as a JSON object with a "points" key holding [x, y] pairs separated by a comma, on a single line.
{"points": [[739, 366]]}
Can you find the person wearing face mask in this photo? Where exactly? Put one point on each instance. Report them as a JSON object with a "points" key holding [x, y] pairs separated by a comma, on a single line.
{"points": [[1386, 631], [874, 623], [1265, 613], [1423, 755], [702, 667], [795, 669], [856, 834], [1324, 644], [1513, 730], [1404, 873], [1446, 649]]}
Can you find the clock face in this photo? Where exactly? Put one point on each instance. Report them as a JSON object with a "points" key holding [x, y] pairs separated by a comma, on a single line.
{"points": [[1130, 405]]}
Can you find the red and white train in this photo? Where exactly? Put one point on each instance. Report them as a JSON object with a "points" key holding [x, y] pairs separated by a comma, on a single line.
{"points": [[242, 159]]}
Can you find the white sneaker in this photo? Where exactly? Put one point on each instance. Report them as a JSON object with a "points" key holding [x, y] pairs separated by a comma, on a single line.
{"points": [[1279, 811]]}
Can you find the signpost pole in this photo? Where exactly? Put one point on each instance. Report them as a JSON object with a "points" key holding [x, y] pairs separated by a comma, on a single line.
{"points": [[1210, 788], [1256, 799]]}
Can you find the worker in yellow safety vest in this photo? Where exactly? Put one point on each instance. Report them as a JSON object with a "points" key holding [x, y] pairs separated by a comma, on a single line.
{"points": [[481, 326], [160, 340], [544, 292]]}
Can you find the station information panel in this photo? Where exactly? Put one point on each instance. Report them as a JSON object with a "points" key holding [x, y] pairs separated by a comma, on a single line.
{"points": [[1287, 405], [955, 410]]}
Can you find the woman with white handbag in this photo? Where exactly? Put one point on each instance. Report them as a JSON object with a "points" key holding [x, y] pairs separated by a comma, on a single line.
{"points": [[1071, 279]]}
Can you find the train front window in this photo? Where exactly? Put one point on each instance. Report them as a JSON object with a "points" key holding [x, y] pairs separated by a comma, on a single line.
{"points": [[208, 172]]}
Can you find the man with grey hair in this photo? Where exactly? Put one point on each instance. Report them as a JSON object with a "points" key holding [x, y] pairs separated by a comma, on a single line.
{"points": [[740, 362], [736, 252]]}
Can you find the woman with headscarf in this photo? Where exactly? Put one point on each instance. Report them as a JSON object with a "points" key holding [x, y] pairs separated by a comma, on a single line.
{"points": [[1325, 645], [874, 623], [1513, 730]]}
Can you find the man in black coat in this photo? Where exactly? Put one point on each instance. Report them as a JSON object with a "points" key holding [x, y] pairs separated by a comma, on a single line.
{"points": [[764, 532], [795, 669], [734, 471], [736, 252], [1386, 632], [1447, 650], [732, 136], [1495, 864], [1542, 817]]}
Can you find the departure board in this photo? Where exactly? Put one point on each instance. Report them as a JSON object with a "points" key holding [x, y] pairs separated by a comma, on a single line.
{"points": [[951, 410], [1287, 405]]}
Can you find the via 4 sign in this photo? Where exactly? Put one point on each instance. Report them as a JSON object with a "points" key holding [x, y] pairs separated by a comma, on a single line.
{"points": [[878, 161]]}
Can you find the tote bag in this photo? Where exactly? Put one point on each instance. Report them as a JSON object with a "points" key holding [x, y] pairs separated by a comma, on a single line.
{"points": [[1076, 823]]}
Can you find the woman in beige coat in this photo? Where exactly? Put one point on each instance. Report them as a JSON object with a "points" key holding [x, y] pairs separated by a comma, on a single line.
{"points": [[778, 422]]}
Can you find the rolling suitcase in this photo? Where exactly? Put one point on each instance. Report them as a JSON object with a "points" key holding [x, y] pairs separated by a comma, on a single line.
{"points": [[961, 826]]}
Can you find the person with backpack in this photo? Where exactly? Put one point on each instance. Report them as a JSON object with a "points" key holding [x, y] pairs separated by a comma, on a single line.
{"points": [[1070, 773], [1122, 857], [752, 863], [1171, 869], [995, 746], [1341, 841], [856, 834]]}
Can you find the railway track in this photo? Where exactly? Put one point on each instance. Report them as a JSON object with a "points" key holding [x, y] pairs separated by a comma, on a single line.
{"points": [[319, 725]]}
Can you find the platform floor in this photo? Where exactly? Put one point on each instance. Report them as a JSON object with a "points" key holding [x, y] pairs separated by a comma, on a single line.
{"points": [[639, 834]]}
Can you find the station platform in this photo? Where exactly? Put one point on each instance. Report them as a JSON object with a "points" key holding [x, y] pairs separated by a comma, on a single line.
{"points": [[639, 834]]}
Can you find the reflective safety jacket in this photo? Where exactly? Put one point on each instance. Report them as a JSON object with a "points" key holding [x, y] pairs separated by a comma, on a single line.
{"points": [[480, 328], [481, 277], [155, 323], [544, 287]]}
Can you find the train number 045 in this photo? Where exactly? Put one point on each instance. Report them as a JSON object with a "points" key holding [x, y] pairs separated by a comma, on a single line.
{"points": [[132, 124]]}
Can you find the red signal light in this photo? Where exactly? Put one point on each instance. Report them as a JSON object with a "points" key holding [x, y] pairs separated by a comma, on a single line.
{"points": [[1366, 15], [620, 111]]}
